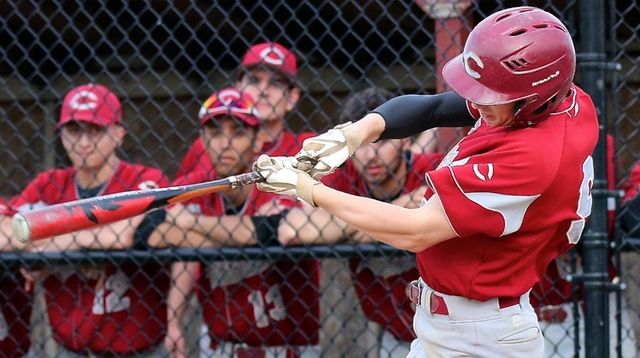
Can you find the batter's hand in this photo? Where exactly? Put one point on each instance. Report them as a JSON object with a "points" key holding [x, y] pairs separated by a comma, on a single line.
{"points": [[282, 178], [327, 151]]}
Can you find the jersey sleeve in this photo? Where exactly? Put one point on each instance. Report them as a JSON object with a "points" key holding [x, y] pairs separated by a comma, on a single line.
{"points": [[490, 193]]}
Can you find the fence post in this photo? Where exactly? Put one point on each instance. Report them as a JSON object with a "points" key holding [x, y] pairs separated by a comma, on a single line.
{"points": [[592, 64]]}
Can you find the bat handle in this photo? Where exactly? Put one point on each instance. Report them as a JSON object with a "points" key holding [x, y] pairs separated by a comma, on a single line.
{"points": [[238, 181], [21, 228]]}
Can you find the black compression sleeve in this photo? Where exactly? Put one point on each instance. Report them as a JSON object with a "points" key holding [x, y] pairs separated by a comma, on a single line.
{"points": [[407, 115]]}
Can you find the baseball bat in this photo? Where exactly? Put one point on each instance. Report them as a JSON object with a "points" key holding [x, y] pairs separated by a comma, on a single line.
{"points": [[91, 212]]}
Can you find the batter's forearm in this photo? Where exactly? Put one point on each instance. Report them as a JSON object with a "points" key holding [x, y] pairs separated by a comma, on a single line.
{"points": [[402, 228], [370, 127]]}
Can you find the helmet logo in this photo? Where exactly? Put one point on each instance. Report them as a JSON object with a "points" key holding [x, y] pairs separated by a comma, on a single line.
{"points": [[550, 77], [272, 56], [84, 100], [470, 55]]}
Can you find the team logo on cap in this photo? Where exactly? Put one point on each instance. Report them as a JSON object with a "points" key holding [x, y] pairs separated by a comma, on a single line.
{"points": [[227, 96], [273, 56], [466, 58], [83, 100]]}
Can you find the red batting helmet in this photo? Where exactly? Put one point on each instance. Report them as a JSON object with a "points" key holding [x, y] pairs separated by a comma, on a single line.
{"points": [[521, 53]]}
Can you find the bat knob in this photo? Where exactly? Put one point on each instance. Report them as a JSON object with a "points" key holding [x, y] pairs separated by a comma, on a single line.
{"points": [[21, 228]]}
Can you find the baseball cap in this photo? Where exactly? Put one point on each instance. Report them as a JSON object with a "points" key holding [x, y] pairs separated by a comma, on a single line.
{"points": [[92, 103], [274, 55], [229, 102]]}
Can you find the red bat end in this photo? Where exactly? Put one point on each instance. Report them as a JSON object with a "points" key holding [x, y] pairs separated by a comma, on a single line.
{"points": [[64, 218]]}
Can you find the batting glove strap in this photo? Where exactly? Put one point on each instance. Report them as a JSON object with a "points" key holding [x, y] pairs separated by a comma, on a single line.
{"points": [[328, 151], [304, 188]]}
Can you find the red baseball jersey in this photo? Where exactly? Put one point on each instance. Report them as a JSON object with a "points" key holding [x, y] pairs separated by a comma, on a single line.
{"points": [[15, 314], [196, 158], [382, 290], [256, 302], [111, 308], [553, 288], [516, 198], [15, 307]]}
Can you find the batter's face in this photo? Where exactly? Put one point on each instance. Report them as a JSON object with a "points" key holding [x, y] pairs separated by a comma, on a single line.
{"points": [[497, 115], [90, 146], [272, 92], [378, 163], [231, 145]]}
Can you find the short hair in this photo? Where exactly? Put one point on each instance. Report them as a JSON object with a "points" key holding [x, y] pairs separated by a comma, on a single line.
{"points": [[362, 102]]}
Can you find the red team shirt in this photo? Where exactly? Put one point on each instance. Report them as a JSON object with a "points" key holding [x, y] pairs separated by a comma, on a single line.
{"points": [[196, 158], [516, 199], [554, 289], [631, 187], [255, 302], [118, 310], [15, 307], [382, 296]]}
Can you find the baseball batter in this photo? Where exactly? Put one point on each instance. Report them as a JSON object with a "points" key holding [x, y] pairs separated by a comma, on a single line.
{"points": [[506, 200]]}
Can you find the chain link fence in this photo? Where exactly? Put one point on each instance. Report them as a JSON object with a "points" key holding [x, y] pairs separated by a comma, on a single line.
{"points": [[194, 278]]}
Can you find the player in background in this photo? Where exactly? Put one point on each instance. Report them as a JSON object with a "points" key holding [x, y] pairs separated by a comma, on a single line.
{"points": [[630, 200], [511, 196], [252, 307], [113, 308], [267, 73], [15, 301], [629, 218], [385, 171]]}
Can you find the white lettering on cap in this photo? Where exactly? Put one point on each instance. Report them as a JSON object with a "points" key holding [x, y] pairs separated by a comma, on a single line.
{"points": [[470, 55], [273, 56], [84, 100], [227, 96]]}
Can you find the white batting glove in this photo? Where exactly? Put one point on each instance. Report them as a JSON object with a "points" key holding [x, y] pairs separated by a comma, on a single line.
{"points": [[323, 154], [282, 178]]}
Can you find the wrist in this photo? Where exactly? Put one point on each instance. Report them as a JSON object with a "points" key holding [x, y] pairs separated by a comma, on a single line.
{"points": [[304, 188], [370, 127]]}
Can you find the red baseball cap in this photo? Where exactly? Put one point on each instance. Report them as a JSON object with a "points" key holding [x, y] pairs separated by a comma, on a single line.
{"points": [[91, 103], [273, 55], [229, 102]]}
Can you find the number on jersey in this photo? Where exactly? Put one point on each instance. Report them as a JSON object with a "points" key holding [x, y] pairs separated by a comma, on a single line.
{"points": [[584, 202], [115, 300], [259, 303]]}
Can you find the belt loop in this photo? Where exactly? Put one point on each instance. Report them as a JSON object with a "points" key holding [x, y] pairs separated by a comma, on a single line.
{"points": [[425, 295]]}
